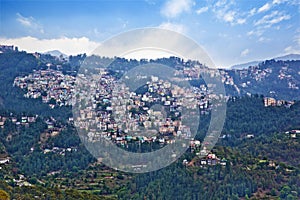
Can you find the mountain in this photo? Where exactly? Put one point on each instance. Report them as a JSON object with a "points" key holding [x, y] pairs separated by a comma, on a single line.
{"points": [[245, 65], [56, 53], [288, 57], [58, 166], [254, 63]]}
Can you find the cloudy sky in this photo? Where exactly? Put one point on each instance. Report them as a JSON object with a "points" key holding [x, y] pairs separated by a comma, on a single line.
{"points": [[230, 31]]}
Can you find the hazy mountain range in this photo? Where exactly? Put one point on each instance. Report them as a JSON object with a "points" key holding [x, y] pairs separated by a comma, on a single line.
{"points": [[56, 53], [287, 57], [253, 63]]}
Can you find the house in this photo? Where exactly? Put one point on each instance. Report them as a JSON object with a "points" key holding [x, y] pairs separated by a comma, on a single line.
{"points": [[161, 140], [293, 133], [203, 162], [24, 119], [203, 152], [50, 125], [249, 136], [269, 101], [31, 119], [211, 156], [128, 137], [4, 160], [185, 162], [197, 143], [296, 131], [223, 162], [272, 164]]}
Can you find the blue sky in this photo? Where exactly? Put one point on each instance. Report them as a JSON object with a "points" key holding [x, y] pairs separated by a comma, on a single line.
{"points": [[230, 31]]}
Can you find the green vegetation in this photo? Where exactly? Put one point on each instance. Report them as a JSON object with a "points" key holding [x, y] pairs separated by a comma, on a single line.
{"points": [[249, 172], [263, 167]]}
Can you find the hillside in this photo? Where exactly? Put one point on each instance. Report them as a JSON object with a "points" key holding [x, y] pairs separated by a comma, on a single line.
{"points": [[278, 79], [289, 57], [259, 153]]}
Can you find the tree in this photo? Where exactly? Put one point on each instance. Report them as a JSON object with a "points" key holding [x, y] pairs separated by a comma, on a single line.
{"points": [[285, 191], [4, 195]]}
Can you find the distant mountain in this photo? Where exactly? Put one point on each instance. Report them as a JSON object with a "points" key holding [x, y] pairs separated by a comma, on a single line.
{"points": [[289, 57], [56, 53], [254, 63], [245, 65]]}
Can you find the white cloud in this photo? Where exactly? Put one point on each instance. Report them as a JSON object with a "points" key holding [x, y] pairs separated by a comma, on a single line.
{"points": [[295, 48], [173, 27], [174, 8], [221, 3], [70, 46], [263, 39], [292, 50], [264, 8], [252, 11], [267, 21], [226, 11], [273, 18], [288, 49], [278, 1], [29, 22], [250, 33], [24, 21], [241, 21], [229, 16], [245, 52], [202, 10]]}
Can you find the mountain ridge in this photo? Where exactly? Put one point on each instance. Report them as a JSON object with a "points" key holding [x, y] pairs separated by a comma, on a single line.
{"points": [[254, 63], [56, 53]]}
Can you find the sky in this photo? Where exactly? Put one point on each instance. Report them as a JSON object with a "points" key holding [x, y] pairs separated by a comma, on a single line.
{"points": [[230, 31]]}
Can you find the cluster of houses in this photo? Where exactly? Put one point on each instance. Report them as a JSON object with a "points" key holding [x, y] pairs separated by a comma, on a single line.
{"points": [[255, 72], [49, 85], [195, 145], [226, 78], [269, 101], [52, 129], [60, 151], [207, 157], [284, 74], [212, 159], [21, 181], [120, 115], [19, 121], [115, 113]]}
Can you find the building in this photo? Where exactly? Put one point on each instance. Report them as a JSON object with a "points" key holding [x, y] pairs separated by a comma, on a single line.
{"points": [[4, 160], [268, 101]]}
